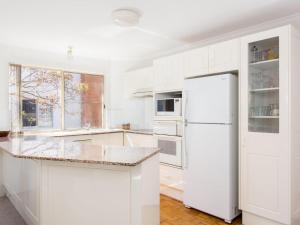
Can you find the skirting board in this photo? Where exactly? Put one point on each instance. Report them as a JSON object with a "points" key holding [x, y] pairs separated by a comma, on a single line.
{"points": [[251, 219], [171, 192]]}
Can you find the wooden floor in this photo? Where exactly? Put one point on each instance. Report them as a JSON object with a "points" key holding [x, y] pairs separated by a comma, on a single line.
{"points": [[173, 212]]}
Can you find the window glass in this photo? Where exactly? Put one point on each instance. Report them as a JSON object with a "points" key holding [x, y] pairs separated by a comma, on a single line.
{"points": [[83, 100], [40, 92], [52, 99]]}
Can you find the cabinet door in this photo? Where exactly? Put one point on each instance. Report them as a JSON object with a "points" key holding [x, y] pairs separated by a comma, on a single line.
{"points": [[168, 73], [224, 56], [138, 80], [195, 62], [264, 150]]}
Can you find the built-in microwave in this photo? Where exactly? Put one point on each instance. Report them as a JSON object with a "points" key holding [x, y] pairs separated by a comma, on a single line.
{"points": [[168, 107]]}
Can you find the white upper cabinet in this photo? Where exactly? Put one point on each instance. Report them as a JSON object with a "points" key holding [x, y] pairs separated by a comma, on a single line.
{"points": [[138, 81], [224, 56], [195, 62], [168, 73], [217, 58]]}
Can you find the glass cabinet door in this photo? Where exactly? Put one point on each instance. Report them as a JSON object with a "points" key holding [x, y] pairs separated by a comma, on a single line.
{"points": [[263, 86]]}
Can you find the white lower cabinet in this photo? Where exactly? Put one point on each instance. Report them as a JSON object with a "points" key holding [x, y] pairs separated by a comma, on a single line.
{"points": [[21, 179], [61, 192], [138, 140], [270, 128]]}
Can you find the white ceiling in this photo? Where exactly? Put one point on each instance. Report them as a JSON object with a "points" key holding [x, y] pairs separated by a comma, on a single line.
{"points": [[53, 25]]}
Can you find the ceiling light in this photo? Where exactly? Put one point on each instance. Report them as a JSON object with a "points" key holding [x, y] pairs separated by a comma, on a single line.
{"points": [[126, 17]]}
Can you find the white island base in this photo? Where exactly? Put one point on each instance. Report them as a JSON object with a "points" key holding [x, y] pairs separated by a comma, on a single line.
{"points": [[67, 193]]}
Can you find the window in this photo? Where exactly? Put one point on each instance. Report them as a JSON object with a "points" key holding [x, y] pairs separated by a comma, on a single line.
{"points": [[83, 100], [45, 99]]}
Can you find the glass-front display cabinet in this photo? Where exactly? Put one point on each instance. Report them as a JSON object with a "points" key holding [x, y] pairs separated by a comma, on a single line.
{"points": [[269, 127], [263, 85]]}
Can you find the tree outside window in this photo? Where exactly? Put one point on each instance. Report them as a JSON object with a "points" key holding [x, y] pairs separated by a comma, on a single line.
{"points": [[48, 99]]}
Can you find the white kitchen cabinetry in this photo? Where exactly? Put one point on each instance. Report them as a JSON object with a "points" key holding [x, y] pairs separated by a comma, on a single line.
{"points": [[21, 181], [217, 58], [138, 140], [270, 125], [140, 80], [168, 73], [195, 62], [224, 56], [47, 192]]}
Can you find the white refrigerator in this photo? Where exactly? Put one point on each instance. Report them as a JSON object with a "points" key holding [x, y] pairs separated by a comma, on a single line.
{"points": [[211, 145]]}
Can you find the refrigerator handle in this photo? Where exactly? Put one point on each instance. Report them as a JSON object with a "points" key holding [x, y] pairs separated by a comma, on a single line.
{"points": [[186, 155], [185, 101]]}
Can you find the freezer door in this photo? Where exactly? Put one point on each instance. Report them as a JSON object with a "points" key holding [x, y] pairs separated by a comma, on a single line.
{"points": [[211, 99], [208, 180]]}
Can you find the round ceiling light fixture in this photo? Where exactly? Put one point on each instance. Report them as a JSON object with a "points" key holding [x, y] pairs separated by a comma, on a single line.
{"points": [[126, 17]]}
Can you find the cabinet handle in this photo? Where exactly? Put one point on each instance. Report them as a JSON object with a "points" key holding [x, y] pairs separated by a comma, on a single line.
{"points": [[81, 140]]}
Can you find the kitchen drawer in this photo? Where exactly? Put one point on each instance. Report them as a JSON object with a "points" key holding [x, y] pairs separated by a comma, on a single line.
{"points": [[166, 127]]}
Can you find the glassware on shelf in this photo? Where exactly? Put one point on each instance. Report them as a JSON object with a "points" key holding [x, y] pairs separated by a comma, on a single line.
{"points": [[275, 110], [264, 110], [264, 54], [263, 78], [254, 51]]}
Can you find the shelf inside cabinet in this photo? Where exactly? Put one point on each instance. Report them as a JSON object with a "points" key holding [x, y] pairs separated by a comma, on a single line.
{"points": [[264, 117], [265, 90], [265, 65]]}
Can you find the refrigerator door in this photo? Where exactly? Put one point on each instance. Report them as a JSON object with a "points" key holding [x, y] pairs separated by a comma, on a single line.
{"points": [[208, 179], [210, 99]]}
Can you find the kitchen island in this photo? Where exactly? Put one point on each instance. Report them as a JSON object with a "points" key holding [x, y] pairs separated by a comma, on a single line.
{"points": [[57, 181]]}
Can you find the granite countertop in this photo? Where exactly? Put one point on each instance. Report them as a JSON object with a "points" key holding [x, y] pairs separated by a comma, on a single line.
{"points": [[88, 132], [73, 132], [49, 148], [140, 131]]}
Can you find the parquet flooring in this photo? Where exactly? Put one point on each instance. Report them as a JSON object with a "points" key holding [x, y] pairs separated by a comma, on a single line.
{"points": [[173, 212]]}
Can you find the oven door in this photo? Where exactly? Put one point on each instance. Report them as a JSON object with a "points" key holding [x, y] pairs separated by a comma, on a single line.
{"points": [[170, 149]]}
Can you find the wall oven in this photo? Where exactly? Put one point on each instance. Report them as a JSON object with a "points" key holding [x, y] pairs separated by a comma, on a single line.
{"points": [[168, 107], [170, 149]]}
